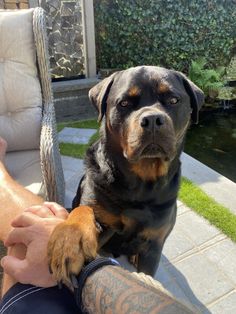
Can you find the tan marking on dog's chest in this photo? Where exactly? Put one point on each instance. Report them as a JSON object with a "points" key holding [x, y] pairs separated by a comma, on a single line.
{"points": [[150, 169]]}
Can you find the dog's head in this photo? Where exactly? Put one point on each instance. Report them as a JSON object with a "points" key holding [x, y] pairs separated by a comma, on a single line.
{"points": [[148, 109]]}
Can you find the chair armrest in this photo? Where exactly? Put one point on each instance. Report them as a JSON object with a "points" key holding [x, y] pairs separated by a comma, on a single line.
{"points": [[52, 172]]}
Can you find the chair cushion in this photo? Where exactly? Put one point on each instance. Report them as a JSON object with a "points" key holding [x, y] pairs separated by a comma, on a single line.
{"points": [[20, 90], [24, 167]]}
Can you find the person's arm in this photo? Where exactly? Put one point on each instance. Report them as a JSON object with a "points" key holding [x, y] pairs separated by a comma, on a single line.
{"points": [[112, 289]]}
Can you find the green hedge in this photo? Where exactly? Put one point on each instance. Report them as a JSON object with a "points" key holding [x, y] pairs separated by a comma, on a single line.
{"points": [[170, 33]]}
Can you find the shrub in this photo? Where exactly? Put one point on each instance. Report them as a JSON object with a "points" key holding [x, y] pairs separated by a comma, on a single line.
{"points": [[209, 80], [169, 33]]}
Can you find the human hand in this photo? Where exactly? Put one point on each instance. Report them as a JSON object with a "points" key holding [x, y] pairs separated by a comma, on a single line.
{"points": [[33, 229]]}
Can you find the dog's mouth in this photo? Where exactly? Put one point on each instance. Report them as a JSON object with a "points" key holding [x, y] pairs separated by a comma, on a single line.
{"points": [[150, 150]]}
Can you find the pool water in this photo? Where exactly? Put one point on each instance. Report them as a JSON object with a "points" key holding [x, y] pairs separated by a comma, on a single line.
{"points": [[213, 142]]}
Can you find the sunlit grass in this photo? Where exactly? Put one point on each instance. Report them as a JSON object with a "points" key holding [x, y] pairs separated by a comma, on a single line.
{"points": [[84, 124], [78, 150], [218, 215]]}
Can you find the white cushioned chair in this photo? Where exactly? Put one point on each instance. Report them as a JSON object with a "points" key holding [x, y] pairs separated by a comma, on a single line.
{"points": [[27, 117]]}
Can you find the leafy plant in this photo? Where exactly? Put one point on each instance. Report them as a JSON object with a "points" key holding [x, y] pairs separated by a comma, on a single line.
{"points": [[209, 80], [169, 33]]}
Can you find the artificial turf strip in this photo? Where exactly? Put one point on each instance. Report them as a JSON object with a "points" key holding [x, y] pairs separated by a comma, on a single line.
{"points": [[221, 217]]}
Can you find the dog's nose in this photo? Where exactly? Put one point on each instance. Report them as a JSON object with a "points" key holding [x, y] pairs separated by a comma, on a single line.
{"points": [[152, 121]]}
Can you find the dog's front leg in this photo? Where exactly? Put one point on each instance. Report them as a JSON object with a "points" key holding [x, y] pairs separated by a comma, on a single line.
{"points": [[72, 243], [148, 262]]}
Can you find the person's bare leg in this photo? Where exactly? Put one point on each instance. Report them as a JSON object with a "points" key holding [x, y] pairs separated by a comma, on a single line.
{"points": [[14, 198], [3, 148]]}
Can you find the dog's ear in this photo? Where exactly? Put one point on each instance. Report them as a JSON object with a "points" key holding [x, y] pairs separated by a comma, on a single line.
{"points": [[99, 93], [196, 97]]}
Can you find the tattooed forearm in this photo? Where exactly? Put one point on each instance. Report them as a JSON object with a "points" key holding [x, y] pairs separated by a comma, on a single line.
{"points": [[115, 290]]}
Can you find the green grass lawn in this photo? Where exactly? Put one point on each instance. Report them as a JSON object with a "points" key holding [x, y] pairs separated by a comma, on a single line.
{"points": [[84, 124], [218, 215], [190, 194], [75, 150]]}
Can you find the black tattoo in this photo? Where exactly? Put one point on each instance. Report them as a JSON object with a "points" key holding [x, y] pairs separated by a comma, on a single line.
{"points": [[115, 290]]}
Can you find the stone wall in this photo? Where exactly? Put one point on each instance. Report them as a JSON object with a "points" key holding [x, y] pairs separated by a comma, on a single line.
{"points": [[65, 32]]}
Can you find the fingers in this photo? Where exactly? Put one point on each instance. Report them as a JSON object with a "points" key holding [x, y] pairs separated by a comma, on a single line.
{"points": [[48, 209], [13, 267], [40, 210], [57, 210], [26, 272], [18, 235], [26, 219]]}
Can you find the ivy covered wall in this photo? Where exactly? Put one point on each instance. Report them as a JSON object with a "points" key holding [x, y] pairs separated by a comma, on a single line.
{"points": [[170, 33]]}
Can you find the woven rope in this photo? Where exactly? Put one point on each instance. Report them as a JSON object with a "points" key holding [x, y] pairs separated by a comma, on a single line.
{"points": [[52, 172], [148, 280]]}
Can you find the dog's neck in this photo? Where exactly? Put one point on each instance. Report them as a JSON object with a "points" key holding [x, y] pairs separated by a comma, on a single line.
{"points": [[149, 169]]}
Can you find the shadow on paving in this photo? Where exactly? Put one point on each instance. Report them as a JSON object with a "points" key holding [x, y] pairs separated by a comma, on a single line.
{"points": [[178, 286]]}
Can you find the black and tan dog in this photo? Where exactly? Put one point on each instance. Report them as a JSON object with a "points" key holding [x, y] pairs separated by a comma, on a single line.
{"points": [[132, 172]]}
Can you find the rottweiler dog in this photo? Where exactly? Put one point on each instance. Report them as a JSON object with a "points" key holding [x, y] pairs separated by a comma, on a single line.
{"points": [[126, 201]]}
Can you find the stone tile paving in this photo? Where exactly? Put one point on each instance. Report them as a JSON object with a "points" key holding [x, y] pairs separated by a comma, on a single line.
{"points": [[198, 261], [75, 136]]}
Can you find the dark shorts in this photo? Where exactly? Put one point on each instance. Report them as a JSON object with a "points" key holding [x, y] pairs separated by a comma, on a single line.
{"points": [[27, 299]]}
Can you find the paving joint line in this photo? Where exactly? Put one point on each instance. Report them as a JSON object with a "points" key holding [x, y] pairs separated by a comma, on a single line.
{"points": [[221, 298], [195, 250]]}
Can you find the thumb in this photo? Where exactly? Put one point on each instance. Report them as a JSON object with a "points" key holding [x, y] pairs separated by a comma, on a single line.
{"points": [[14, 267]]}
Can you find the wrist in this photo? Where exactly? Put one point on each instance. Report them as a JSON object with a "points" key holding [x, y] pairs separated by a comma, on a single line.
{"points": [[86, 272]]}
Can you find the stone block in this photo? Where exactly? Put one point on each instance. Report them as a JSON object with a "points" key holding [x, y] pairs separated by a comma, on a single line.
{"points": [[71, 100], [74, 108], [223, 254], [69, 196], [72, 164], [10, 6], [176, 290], [226, 305], [67, 8], [177, 244], [75, 135], [196, 228], [24, 5], [162, 274], [200, 279], [54, 3], [68, 174], [182, 209], [72, 184], [67, 22]]}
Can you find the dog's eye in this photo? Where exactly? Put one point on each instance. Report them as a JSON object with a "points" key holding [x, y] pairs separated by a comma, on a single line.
{"points": [[124, 103], [173, 100]]}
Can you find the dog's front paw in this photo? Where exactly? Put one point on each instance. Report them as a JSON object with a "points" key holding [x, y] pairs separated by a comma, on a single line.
{"points": [[70, 245]]}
